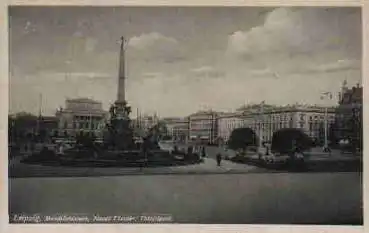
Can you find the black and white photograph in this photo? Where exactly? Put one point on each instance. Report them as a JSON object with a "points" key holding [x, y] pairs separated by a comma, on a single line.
{"points": [[190, 115]]}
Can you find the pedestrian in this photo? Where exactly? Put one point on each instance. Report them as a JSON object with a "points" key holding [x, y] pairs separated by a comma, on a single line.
{"points": [[32, 147], [219, 159], [203, 152], [175, 149]]}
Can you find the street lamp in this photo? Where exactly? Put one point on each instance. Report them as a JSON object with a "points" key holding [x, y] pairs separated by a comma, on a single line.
{"points": [[261, 124], [325, 96]]}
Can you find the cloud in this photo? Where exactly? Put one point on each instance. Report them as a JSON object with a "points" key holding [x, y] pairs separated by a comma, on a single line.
{"points": [[152, 74], [90, 44], [153, 39], [79, 44], [89, 75], [64, 76], [340, 65], [206, 72], [298, 30], [203, 69], [155, 46]]}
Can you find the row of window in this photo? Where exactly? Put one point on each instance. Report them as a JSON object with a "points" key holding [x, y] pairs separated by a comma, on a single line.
{"points": [[83, 125], [87, 118]]}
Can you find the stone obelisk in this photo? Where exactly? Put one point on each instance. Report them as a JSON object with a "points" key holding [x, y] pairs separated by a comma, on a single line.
{"points": [[121, 95], [120, 133]]}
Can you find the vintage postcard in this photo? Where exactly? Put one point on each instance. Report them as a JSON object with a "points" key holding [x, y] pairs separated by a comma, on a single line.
{"points": [[191, 115]]}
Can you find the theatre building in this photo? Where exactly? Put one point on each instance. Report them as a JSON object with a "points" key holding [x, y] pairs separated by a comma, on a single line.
{"points": [[81, 115]]}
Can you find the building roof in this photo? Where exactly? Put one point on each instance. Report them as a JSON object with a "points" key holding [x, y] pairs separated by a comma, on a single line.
{"points": [[231, 115], [83, 100], [49, 118], [204, 113], [85, 112], [353, 95]]}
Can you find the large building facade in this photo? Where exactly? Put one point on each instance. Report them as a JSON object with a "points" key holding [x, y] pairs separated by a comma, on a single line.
{"points": [[310, 119], [349, 115], [203, 126], [227, 122], [81, 115], [265, 120], [177, 128]]}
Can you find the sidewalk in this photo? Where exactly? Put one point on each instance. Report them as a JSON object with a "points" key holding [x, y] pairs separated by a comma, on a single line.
{"points": [[335, 155], [209, 166]]}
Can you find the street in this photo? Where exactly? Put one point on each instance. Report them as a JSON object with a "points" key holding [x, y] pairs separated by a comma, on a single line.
{"points": [[265, 198]]}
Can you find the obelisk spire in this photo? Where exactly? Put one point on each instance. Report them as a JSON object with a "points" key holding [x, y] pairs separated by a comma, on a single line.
{"points": [[122, 76]]}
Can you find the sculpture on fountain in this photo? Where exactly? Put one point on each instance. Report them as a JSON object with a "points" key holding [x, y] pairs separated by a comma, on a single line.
{"points": [[119, 134]]}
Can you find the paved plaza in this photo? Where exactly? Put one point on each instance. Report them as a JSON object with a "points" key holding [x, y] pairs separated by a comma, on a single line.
{"points": [[249, 198]]}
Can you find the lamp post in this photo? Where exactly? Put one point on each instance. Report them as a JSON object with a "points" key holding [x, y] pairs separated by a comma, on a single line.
{"points": [[261, 124], [39, 115], [325, 96]]}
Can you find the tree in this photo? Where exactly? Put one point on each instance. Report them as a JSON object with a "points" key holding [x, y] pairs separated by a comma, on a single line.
{"points": [[22, 123], [242, 138], [284, 140], [86, 140], [321, 134], [65, 134], [42, 135], [356, 128], [55, 134], [332, 137]]}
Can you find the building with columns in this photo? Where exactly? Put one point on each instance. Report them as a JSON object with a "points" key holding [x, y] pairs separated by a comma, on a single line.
{"points": [[227, 122], [267, 119], [178, 128], [81, 115], [203, 126], [310, 119]]}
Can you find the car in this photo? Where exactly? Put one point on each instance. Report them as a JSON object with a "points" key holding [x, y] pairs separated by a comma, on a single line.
{"points": [[275, 158], [283, 158]]}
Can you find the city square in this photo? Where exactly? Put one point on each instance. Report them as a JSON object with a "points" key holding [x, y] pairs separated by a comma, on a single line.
{"points": [[117, 143]]}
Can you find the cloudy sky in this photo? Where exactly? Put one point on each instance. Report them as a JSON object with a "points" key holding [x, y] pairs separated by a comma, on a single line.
{"points": [[180, 60]]}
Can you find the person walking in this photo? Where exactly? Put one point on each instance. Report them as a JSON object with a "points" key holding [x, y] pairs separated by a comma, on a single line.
{"points": [[203, 152], [219, 159]]}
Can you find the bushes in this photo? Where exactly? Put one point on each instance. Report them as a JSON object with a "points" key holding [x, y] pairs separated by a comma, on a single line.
{"points": [[45, 155], [242, 138], [284, 140]]}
